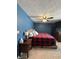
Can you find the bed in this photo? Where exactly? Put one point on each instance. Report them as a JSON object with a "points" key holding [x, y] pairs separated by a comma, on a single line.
{"points": [[43, 40]]}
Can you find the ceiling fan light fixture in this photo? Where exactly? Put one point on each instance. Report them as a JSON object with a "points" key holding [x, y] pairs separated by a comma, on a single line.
{"points": [[44, 17], [44, 20]]}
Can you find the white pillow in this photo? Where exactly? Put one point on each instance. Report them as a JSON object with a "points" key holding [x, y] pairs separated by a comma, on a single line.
{"points": [[35, 33], [31, 34], [26, 33]]}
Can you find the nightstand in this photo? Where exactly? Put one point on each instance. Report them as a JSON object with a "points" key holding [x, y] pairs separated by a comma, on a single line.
{"points": [[25, 47], [29, 43]]}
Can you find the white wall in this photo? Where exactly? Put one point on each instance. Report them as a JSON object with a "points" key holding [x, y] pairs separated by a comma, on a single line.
{"points": [[57, 14]]}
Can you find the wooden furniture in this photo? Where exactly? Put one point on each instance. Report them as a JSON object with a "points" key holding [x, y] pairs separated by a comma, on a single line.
{"points": [[58, 36], [26, 46], [29, 43], [23, 48]]}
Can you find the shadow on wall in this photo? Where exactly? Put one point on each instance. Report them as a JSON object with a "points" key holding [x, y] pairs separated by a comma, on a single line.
{"points": [[24, 22]]}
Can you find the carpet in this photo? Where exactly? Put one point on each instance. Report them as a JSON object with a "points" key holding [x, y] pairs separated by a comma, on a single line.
{"points": [[45, 53]]}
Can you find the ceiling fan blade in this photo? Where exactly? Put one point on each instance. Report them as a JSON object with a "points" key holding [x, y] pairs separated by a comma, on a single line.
{"points": [[42, 17], [35, 16], [50, 18]]}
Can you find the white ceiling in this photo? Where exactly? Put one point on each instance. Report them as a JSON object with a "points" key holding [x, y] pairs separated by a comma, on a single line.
{"points": [[41, 7]]}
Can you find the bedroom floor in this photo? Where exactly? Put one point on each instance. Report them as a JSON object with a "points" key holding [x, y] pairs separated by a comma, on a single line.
{"points": [[45, 53]]}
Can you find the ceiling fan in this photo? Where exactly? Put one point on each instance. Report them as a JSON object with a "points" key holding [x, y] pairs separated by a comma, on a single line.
{"points": [[43, 18]]}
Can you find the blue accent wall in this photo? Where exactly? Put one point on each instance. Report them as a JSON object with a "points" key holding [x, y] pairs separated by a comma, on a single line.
{"points": [[50, 28], [24, 22], [45, 27]]}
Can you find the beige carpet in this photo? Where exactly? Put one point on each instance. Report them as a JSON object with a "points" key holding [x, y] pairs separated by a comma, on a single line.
{"points": [[45, 53]]}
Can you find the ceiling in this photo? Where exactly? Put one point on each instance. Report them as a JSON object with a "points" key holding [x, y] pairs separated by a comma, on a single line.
{"points": [[41, 7]]}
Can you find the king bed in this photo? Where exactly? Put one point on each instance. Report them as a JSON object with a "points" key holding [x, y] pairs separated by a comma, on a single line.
{"points": [[43, 40]]}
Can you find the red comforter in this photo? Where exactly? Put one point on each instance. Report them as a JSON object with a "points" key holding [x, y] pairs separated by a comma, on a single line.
{"points": [[44, 35], [43, 39]]}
